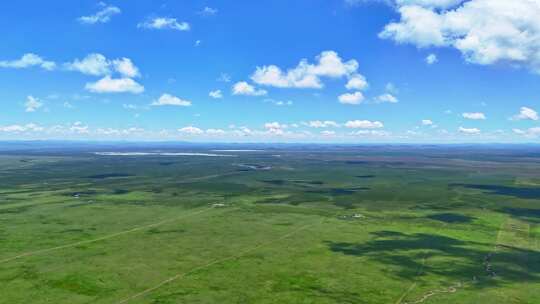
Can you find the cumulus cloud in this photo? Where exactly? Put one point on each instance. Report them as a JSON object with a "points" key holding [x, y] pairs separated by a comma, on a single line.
{"points": [[170, 100], [387, 98], [190, 130], [112, 85], [28, 60], [103, 16], [96, 64], [484, 31], [364, 124], [474, 116], [125, 67], [275, 128], [216, 94], [526, 114], [351, 98], [162, 23], [305, 74], [93, 64], [471, 131], [357, 82], [32, 104], [244, 88], [431, 59]]}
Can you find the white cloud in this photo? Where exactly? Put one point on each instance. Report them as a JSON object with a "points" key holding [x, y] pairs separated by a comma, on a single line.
{"points": [[322, 124], [357, 82], [125, 67], [111, 85], [96, 64], [441, 4], [275, 128], [112, 131], [519, 131], [274, 125], [79, 127], [13, 128], [431, 3], [32, 104], [28, 60], [484, 31], [93, 64], [31, 127], [526, 114], [374, 133], [68, 105], [431, 59], [531, 132], [364, 124], [161, 23], [351, 98], [279, 102], [208, 11], [387, 98], [427, 122], [129, 106], [216, 94], [244, 88], [103, 16], [469, 130], [328, 133], [170, 100], [474, 116], [190, 130], [305, 74], [215, 132]]}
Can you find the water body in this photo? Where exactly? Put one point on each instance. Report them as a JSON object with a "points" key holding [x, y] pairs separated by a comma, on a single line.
{"points": [[161, 154]]}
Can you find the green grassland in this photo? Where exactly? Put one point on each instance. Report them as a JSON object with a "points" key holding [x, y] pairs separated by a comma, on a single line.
{"points": [[333, 226]]}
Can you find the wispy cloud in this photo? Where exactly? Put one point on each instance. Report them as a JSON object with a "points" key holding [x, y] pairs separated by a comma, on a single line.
{"points": [[208, 11], [102, 16], [164, 23], [32, 104]]}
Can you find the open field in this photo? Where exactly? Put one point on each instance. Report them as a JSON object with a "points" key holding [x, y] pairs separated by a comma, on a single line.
{"points": [[284, 225]]}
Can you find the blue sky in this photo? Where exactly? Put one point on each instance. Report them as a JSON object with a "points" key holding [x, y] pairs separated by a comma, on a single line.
{"points": [[271, 71]]}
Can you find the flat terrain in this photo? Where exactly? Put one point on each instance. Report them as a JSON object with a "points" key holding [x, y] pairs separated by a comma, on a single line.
{"points": [[313, 224]]}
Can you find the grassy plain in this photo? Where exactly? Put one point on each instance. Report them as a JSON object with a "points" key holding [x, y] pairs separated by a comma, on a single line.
{"points": [[333, 225]]}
